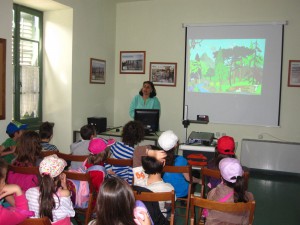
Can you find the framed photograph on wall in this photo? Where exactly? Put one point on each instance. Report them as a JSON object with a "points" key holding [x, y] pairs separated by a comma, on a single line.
{"points": [[294, 73], [2, 77], [97, 71], [132, 62], [163, 73]]}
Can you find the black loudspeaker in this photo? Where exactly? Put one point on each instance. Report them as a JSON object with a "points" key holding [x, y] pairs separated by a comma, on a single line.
{"points": [[100, 123]]}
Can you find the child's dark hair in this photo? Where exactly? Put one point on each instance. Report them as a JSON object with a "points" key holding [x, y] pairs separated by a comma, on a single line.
{"points": [[153, 92], [29, 147], [133, 133], [87, 131], [151, 165], [101, 157], [219, 157], [48, 189], [46, 130], [239, 188], [115, 203], [3, 168]]}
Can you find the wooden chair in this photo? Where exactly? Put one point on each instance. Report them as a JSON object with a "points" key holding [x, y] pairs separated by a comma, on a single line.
{"points": [[36, 221], [70, 157], [119, 162], [87, 212], [24, 170], [47, 153], [186, 170], [220, 206], [156, 197], [205, 173]]}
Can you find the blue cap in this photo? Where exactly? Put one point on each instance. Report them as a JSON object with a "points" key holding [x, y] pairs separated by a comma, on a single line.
{"points": [[15, 126]]}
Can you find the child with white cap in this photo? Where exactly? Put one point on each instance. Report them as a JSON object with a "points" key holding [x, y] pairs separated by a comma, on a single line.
{"points": [[168, 141], [52, 198], [232, 189]]}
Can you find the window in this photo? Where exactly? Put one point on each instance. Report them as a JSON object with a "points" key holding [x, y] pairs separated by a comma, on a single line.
{"points": [[27, 31]]}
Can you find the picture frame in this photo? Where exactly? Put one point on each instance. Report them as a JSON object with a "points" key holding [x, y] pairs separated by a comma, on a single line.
{"points": [[294, 73], [132, 62], [163, 73], [97, 71], [2, 77]]}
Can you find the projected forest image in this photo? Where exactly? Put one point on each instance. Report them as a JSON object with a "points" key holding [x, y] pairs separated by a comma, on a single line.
{"points": [[233, 66]]}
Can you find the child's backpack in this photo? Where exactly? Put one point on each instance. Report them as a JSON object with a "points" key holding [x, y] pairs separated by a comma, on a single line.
{"points": [[80, 189]]}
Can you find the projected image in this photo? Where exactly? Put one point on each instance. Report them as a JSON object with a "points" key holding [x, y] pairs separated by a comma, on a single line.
{"points": [[233, 66]]}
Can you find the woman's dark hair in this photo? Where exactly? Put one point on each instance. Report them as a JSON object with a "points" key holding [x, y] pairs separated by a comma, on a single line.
{"points": [[3, 168], [239, 188], [101, 157], [87, 131], [151, 165], [29, 147], [115, 203], [133, 133], [48, 188], [46, 130], [153, 92]]}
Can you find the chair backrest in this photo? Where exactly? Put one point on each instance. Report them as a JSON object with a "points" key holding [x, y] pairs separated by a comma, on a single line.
{"points": [[84, 177], [47, 153], [157, 197], [183, 170], [221, 206], [36, 221], [70, 157], [205, 173], [119, 162], [24, 170]]}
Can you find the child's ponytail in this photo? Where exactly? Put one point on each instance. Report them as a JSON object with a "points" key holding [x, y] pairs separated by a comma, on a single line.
{"points": [[239, 188], [47, 202]]}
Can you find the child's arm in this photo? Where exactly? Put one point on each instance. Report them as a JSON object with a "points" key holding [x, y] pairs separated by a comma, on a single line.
{"points": [[21, 205]]}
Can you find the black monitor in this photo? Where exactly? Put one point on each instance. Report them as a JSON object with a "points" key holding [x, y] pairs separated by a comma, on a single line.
{"points": [[150, 119]]}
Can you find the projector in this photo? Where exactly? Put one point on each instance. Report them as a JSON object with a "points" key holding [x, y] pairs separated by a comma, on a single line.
{"points": [[201, 138]]}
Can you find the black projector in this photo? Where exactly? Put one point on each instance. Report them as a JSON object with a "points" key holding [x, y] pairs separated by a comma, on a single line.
{"points": [[100, 123]]}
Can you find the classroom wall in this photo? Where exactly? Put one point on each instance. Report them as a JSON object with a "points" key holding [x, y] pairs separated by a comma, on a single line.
{"points": [[156, 27]]}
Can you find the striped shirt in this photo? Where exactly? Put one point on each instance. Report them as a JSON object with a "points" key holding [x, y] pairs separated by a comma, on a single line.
{"points": [[64, 206], [121, 151]]}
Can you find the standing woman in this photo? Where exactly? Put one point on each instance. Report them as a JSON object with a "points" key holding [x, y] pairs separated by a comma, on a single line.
{"points": [[146, 99]]}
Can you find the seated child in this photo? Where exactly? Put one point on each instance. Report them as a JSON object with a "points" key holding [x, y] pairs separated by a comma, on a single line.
{"points": [[46, 134], [28, 153], [81, 147], [168, 141], [18, 213], [232, 189], [132, 134], [51, 198], [14, 130], [116, 205], [225, 149], [153, 168]]}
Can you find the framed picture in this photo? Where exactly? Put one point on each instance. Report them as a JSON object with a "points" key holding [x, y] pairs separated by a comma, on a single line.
{"points": [[97, 71], [132, 62], [294, 73], [163, 73], [2, 77]]}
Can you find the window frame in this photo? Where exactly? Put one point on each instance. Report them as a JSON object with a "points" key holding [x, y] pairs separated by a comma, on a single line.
{"points": [[33, 123]]}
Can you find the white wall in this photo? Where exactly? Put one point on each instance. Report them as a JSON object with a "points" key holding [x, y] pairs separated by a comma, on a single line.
{"points": [[57, 83], [5, 32], [156, 27]]}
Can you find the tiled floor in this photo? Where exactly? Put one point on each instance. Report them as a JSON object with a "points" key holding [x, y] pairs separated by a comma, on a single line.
{"points": [[277, 199]]}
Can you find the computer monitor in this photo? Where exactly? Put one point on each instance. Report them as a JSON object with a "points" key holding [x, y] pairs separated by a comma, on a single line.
{"points": [[149, 118]]}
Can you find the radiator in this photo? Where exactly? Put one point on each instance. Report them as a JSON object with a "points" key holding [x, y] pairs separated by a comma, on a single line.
{"points": [[271, 155]]}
